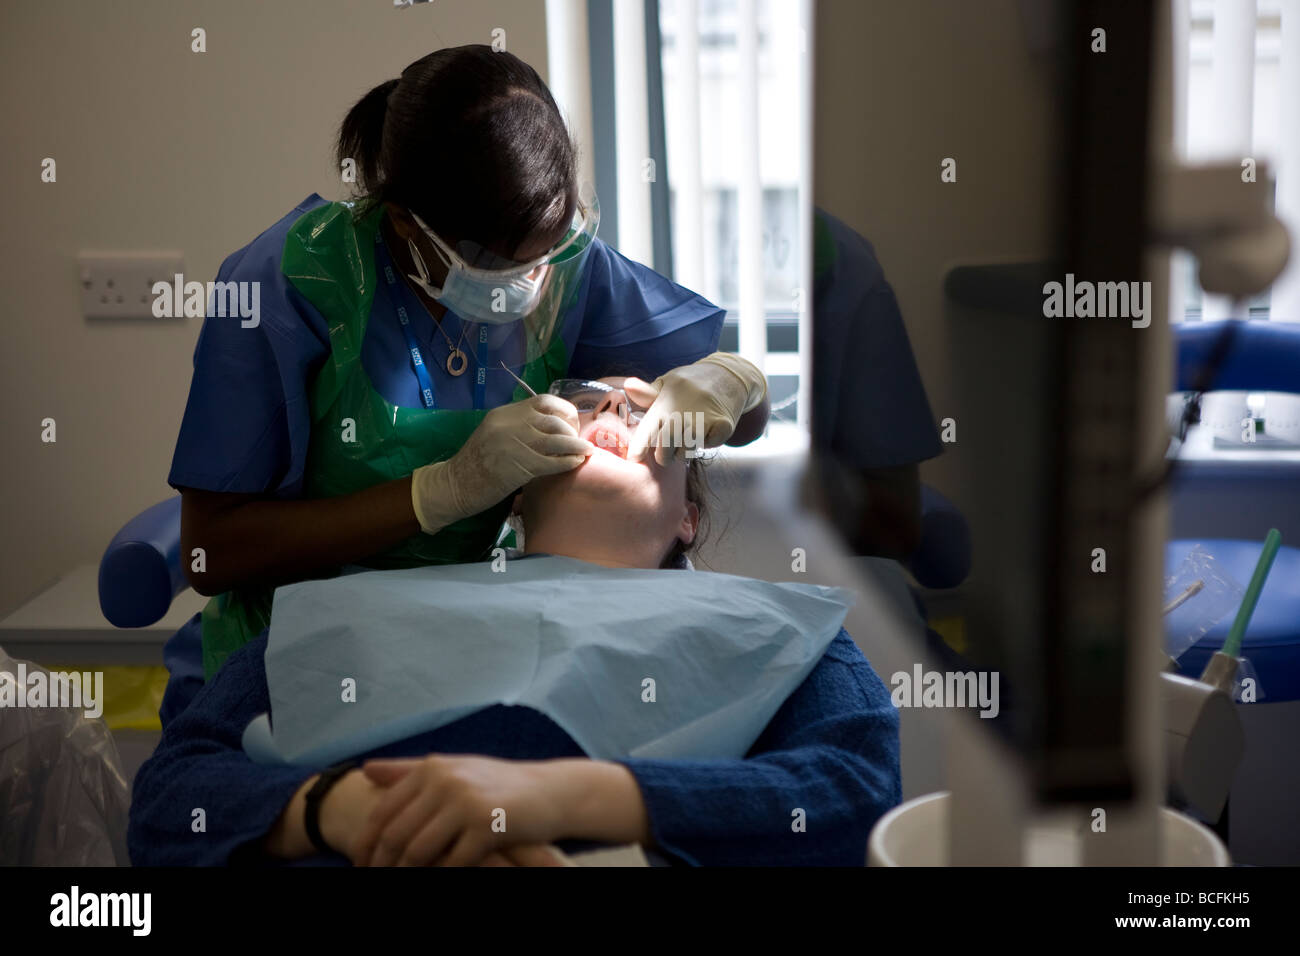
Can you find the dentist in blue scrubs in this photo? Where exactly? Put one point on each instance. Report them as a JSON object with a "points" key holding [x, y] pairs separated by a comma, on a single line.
{"points": [[872, 425], [372, 414]]}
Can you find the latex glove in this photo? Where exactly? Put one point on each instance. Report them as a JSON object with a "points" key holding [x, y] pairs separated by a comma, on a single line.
{"points": [[513, 444], [719, 387]]}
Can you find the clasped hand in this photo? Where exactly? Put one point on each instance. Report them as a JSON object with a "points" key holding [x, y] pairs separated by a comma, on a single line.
{"points": [[445, 811]]}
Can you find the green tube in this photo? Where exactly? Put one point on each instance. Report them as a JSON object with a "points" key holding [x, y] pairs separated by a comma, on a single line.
{"points": [[1232, 646]]}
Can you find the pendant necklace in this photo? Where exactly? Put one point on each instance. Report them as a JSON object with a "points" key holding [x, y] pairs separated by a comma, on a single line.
{"points": [[456, 359]]}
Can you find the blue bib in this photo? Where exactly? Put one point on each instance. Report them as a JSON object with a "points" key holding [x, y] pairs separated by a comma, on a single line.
{"points": [[629, 662]]}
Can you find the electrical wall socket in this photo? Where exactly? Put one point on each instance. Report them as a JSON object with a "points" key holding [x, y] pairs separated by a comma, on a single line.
{"points": [[119, 285]]}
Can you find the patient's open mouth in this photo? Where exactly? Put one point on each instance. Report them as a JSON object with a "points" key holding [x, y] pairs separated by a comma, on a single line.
{"points": [[613, 440], [608, 432]]}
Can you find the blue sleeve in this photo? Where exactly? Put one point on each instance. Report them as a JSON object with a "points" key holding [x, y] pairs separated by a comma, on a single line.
{"points": [[869, 404], [200, 764], [830, 751], [247, 421], [636, 322]]}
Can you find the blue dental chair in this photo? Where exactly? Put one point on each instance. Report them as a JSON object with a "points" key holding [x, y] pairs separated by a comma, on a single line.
{"points": [[141, 570], [943, 558], [1228, 506]]}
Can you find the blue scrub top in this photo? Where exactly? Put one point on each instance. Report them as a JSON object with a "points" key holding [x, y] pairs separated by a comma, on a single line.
{"points": [[248, 417], [869, 405]]}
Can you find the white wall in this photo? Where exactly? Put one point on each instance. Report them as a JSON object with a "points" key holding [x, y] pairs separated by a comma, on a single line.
{"points": [[159, 148]]}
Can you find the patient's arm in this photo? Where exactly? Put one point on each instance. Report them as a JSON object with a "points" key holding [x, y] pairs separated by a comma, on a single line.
{"points": [[343, 813], [830, 752], [199, 799], [441, 809], [603, 802]]}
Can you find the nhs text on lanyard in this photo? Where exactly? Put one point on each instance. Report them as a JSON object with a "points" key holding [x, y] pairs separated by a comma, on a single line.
{"points": [[417, 360]]}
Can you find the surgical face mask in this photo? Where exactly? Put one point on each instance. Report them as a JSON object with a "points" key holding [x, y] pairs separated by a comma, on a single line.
{"points": [[498, 295], [479, 294]]}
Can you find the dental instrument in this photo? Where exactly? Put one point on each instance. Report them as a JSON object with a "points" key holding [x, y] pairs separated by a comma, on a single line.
{"points": [[531, 391]]}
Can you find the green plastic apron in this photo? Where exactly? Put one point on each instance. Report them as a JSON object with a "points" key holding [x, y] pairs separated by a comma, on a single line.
{"points": [[359, 438]]}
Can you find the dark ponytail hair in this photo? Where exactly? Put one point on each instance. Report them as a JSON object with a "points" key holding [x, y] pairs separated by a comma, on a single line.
{"points": [[471, 140], [362, 132]]}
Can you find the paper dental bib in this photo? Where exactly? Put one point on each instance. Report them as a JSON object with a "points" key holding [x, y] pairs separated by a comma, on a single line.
{"points": [[630, 663]]}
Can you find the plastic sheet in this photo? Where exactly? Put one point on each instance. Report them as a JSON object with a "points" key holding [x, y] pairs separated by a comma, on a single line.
{"points": [[63, 796], [1199, 594]]}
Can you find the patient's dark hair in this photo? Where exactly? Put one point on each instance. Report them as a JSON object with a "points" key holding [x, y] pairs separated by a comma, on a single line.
{"points": [[697, 493], [470, 140]]}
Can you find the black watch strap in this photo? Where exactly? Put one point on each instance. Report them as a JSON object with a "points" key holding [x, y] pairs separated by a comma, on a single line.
{"points": [[316, 795]]}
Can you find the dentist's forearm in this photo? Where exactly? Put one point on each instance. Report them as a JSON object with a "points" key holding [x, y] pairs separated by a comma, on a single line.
{"points": [[248, 540], [601, 801]]}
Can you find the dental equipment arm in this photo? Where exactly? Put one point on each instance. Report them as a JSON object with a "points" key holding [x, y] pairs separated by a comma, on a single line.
{"points": [[1204, 742], [1240, 244], [1221, 671]]}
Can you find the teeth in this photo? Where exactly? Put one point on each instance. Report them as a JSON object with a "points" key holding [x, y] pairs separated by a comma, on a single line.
{"points": [[610, 440]]}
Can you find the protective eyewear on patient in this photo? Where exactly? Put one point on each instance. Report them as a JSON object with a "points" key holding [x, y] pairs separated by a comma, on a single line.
{"points": [[588, 397]]}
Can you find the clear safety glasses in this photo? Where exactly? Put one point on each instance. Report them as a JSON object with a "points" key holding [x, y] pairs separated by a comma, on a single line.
{"points": [[476, 262], [512, 314], [591, 398]]}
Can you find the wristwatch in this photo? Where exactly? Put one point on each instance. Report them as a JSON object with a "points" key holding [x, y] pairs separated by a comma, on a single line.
{"points": [[316, 795]]}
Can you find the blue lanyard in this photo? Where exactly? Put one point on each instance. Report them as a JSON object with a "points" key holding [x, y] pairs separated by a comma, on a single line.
{"points": [[480, 379], [417, 360], [421, 373]]}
